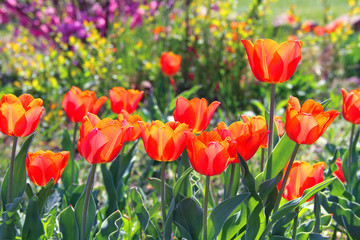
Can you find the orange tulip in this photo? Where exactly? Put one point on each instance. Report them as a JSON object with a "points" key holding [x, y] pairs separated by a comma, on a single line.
{"points": [[259, 124], [319, 31], [208, 153], [225, 133], [339, 172], [196, 112], [351, 105], [19, 117], [301, 177], [101, 140], [305, 124], [44, 166], [170, 63], [124, 99], [131, 120], [272, 62], [279, 125], [164, 142], [77, 103]]}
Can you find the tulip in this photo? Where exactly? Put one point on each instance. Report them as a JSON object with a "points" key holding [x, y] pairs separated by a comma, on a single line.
{"points": [[196, 113], [121, 98], [44, 166], [101, 140], [301, 177], [126, 119], [170, 63], [339, 172], [305, 124], [351, 105], [279, 125], [272, 62], [77, 103], [19, 117], [208, 153], [164, 142]]}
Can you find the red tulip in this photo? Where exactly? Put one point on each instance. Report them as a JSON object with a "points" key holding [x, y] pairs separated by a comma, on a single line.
{"points": [[164, 142], [196, 112], [101, 140], [43, 166], [124, 99], [208, 153], [351, 105], [279, 125], [170, 63], [258, 123], [77, 103], [305, 124], [19, 117], [130, 120], [301, 177], [339, 172], [272, 62]]}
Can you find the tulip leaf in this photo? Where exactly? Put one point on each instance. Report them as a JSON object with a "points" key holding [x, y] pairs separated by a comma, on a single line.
{"points": [[235, 225], [257, 218], [90, 215], [248, 179], [188, 218], [169, 220], [344, 212], [68, 226], [354, 160], [308, 193], [310, 236], [269, 185], [236, 181], [19, 180], [283, 223], [9, 219], [221, 212], [43, 195], [308, 226], [280, 155], [182, 180], [33, 227], [112, 204], [156, 184], [276, 237], [50, 223], [67, 145], [140, 210], [110, 228]]}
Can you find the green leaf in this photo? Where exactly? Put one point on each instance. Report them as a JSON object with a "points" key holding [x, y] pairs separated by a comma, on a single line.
{"points": [[169, 220], [354, 160], [186, 94], [9, 219], [90, 216], [19, 181], [68, 226], [49, 223], [268, 186], [283, 223], [155, 183], [248, 179], [179, 183], [140, 210], [308, 193], [188, 218], [275, 237], [235, 225], [110, 228], [67, 145], [309, 225], [108, 180], [257, 218], [236, 181], [280, 155], [310, 236], [33, 227], [221, 212], [43, 195]]}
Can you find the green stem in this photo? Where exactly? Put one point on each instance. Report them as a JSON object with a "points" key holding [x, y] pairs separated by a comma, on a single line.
{"points": [[74, 151], [262, 159], [279, 196], [231, 183], [317, 213], [205, 207], [162, 190], [350, 156], [118, 180], [88, 190], [11, 170], [271, 129], [295, 224]]}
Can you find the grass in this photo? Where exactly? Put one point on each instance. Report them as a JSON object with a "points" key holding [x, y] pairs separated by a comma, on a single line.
{"points": [[305, 9]]}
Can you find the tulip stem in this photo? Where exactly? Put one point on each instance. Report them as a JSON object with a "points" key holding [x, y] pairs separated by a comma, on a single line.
{"points": [[205, 207], [118, 180], [295, 223], [279, 196], [88, 190], [231, 183], [74, 151], [350, 156], [271, 129], [11, 170], [317, 213], [162, 190], [262, 159]]}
